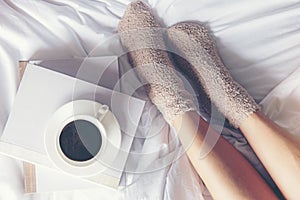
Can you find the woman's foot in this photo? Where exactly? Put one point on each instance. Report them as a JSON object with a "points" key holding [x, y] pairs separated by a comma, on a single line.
{"points": [[193, 42], [142, 36]]}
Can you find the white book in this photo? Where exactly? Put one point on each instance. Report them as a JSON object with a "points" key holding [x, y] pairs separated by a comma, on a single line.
{"points": [[47, 85]]}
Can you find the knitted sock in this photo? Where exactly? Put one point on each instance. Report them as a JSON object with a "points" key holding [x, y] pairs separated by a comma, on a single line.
{"points": [[185, 68], [193, 42], [142, 36]]}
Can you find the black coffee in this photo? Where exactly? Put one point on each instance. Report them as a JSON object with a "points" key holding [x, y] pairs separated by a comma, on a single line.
{"points": [[80, 140]]}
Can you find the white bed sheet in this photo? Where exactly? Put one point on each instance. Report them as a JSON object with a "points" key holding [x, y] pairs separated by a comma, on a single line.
{"points": [[259, 41]]}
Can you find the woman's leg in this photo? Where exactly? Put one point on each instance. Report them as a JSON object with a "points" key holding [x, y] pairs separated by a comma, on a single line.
{"points": [[278, 150], [225, 172]]}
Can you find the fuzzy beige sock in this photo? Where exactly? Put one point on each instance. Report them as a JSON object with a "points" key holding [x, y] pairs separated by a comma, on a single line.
{"points": [[193, 42], [142, 36], [185, 67]]}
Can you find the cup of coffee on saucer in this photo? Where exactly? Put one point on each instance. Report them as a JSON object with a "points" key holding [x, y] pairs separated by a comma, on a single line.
{"points": [[83, 138]]}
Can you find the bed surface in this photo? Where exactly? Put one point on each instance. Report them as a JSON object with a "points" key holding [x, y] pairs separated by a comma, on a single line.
{"points": [[259, 42]]}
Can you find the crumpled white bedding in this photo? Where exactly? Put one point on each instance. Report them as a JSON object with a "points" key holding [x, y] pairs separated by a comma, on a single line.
{"points": [[282, 104], [259, 41]]}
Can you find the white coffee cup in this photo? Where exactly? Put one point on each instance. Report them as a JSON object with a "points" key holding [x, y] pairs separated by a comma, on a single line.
{"points": [[83, 115], [96, 131]]}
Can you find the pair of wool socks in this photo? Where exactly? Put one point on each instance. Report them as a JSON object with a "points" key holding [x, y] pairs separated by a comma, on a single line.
{"points": [[142, 36]]}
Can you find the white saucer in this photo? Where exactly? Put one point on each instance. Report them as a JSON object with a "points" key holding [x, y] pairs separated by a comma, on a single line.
{"points": [[111, 138]]}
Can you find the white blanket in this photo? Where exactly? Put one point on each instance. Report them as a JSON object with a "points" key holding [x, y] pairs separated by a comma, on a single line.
{"points": [[259, 41], [282, 104]]}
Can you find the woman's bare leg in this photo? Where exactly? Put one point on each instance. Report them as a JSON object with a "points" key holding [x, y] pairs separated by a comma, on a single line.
{"points": [[278, 150], [226, 173]]}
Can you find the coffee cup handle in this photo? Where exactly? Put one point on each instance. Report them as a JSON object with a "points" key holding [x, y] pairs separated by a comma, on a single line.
{"points": [[102, 112]]}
